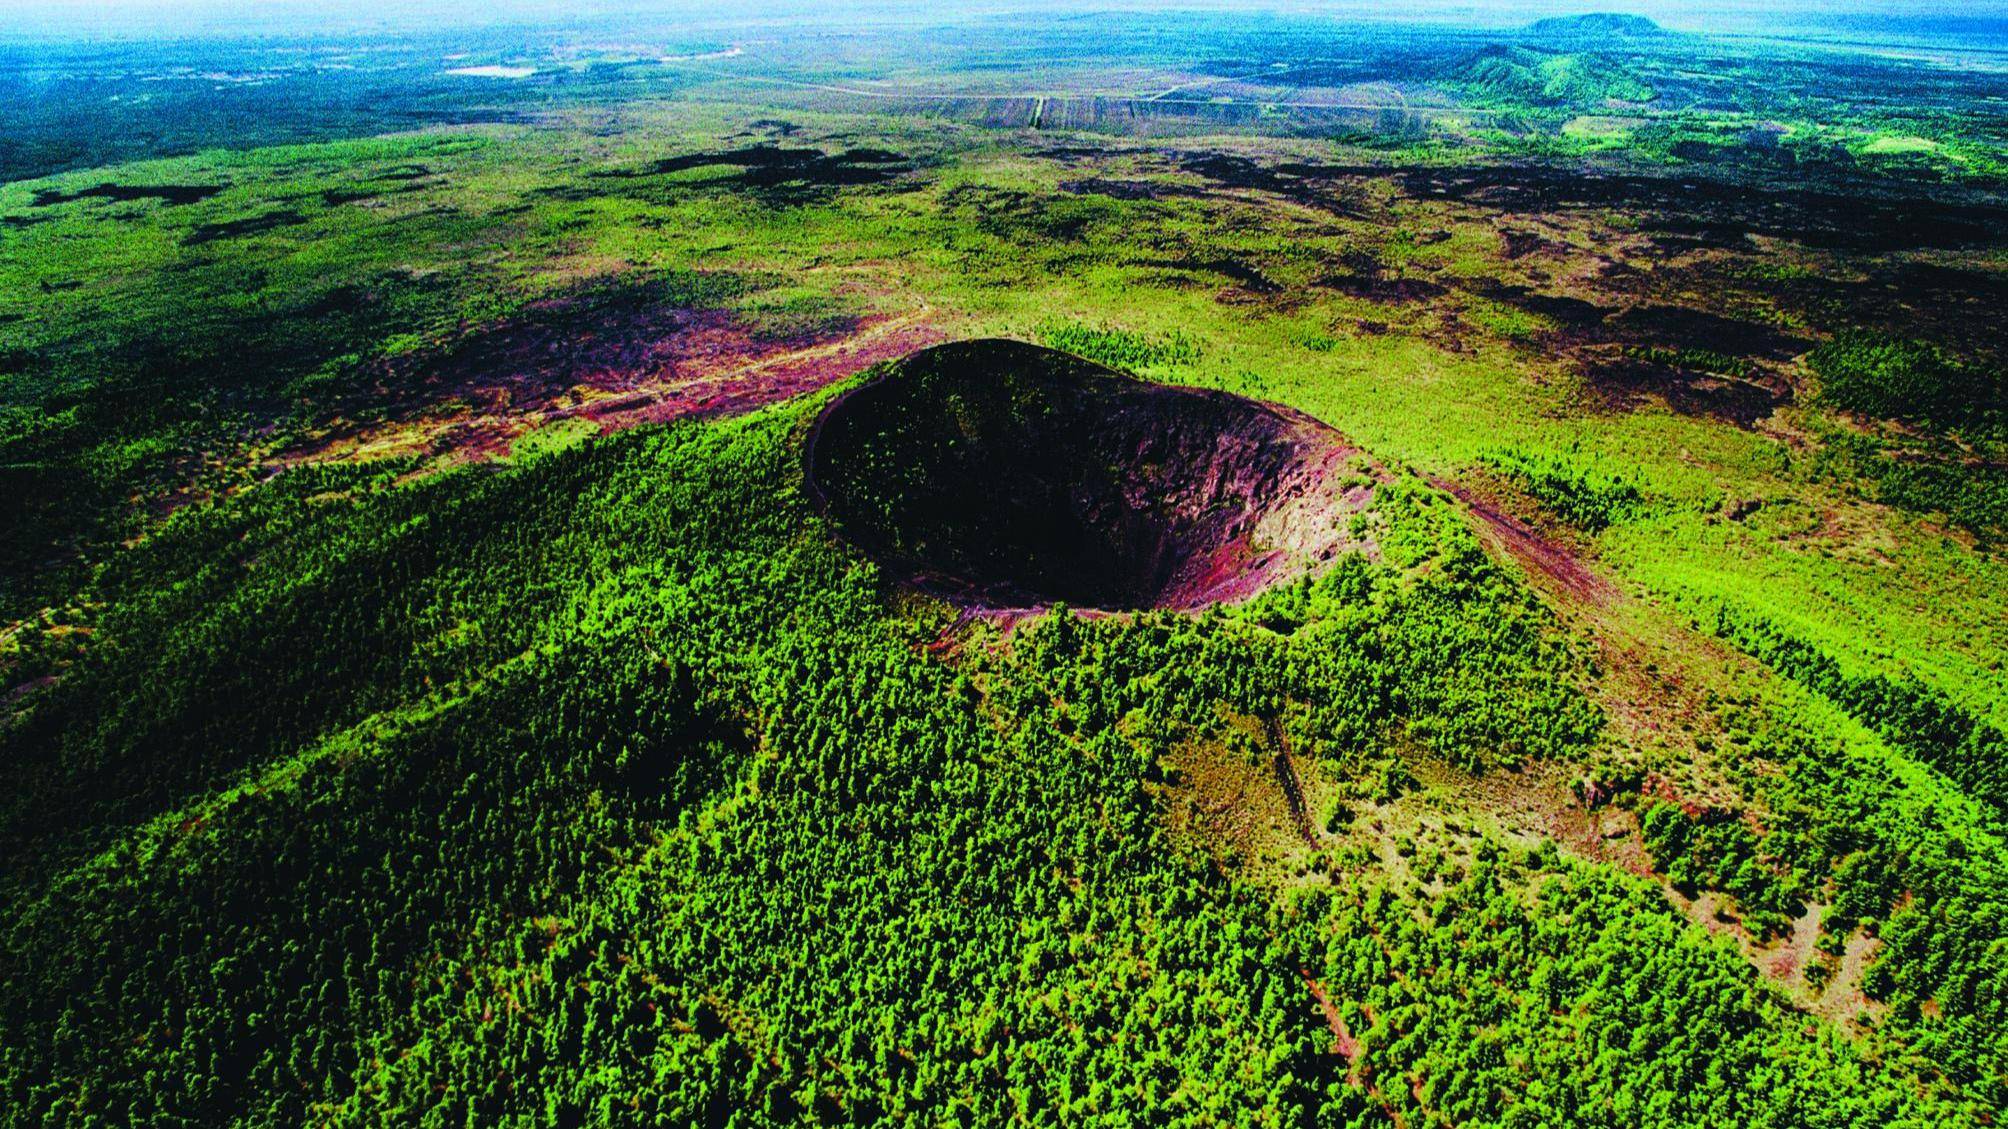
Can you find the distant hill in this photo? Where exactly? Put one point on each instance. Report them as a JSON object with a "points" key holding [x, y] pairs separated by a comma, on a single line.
{"points": [[1548, 78], [1596, 25]]}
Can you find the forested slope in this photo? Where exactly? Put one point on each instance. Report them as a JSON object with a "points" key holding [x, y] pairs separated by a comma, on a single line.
{"points": [[608, 786]]}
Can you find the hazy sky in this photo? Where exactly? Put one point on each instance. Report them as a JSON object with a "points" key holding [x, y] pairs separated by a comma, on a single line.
{"points": [[282, 17]]}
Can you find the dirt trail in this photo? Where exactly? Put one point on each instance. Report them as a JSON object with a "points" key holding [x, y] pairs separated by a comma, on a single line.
{"points": [[1567, 575], [1343, 1042], [1347, 1046], [764, 381]]}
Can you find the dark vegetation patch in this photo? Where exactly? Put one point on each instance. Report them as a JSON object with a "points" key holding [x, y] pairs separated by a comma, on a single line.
{"points": [[1242, 274], [170, 194], [1374, 283], [1932, 478], [1888, 377], [1958, 308], [1363, 272], [1518, 244], [1036, 219], [47, 508], [1001, 474], [1713, 208], [1131, 189], [336, 197], [1695, 359], [1720, 209], [1700, 236], [1328, 188], [1072, 152], [1681, 328], [1230, 171], [1573, 485], [1954, 406], [1971, 494], [1602, 28], [779, 173], [1118, 348], [1535, 77], [242, 228], [1628, 382], [1571, 313], [1696, 362]]}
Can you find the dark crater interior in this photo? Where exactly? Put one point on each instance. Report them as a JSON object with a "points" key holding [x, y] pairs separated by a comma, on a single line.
{"points": [[1005, 475]]}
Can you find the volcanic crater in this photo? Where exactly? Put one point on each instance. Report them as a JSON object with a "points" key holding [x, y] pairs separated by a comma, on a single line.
{"points": [[1002, 475]]}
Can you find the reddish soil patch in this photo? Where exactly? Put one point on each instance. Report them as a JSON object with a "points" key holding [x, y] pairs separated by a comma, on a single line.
{"points": [[1001, 475], [1700, 811], [761, 381], [616, 367], [1564, 572]]}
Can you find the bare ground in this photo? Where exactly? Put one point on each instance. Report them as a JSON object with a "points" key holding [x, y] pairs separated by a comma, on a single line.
{"points": [[472, 402]]}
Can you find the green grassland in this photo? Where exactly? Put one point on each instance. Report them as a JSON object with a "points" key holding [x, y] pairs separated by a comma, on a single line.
{"points": [[393, 740]]}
